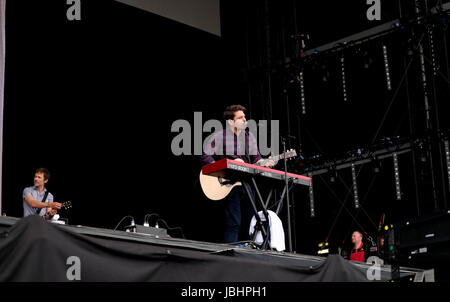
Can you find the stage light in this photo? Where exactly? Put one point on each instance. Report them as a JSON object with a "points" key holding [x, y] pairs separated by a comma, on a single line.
{"points": [[323, 252], [386, 68], [333, 174], [323, 248], [302, 92], [344, 84], [355, 188], [311, 198], [397, 177]]}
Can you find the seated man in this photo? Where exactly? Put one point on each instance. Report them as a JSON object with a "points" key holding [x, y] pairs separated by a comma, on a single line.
{"points": [[357, 253]]}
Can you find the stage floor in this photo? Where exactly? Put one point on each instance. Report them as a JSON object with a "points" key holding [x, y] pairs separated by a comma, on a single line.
{"points": [[306, 264]]}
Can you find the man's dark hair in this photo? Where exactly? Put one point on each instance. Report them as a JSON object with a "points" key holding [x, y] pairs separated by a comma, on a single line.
{"points": [[228, 114], [45, 172]]}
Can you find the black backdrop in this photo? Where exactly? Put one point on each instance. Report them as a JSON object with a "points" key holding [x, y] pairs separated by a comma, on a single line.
{"points": [[93, 101]]}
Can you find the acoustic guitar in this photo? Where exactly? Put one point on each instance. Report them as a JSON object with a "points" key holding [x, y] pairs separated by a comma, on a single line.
{"points": [[217, 188]]}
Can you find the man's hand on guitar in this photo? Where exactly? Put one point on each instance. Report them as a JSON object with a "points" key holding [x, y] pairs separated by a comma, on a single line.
{"points": [[262, 162], [50, 213], [270, 163], [55, 205], [266, 162]]}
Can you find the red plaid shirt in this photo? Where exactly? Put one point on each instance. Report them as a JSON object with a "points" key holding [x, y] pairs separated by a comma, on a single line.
{"points": [[226, 144]]}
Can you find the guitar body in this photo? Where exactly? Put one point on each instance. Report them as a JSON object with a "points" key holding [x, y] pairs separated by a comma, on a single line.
{"points": [[216, 188]]}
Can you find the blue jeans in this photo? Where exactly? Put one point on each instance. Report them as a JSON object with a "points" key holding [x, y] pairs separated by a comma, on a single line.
{"points": [[238, 214]]}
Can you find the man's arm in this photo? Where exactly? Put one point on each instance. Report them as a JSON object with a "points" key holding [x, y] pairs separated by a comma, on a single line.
{"points": [[50, 213], [39, 204], [269, 162]]}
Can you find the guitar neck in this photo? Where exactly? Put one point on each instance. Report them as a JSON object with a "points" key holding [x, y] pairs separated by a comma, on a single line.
{"points": [[66, 205], [278, 157]]}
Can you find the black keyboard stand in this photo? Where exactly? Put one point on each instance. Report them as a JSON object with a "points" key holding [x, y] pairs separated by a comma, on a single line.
{"points": [[260, 226], [257, 200]]}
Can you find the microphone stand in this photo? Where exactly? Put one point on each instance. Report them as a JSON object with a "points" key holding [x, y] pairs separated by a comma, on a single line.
{"points": [[288, 203]]}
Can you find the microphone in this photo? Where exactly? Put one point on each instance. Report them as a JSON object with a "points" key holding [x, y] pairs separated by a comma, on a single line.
{"points": [[133, 226]]}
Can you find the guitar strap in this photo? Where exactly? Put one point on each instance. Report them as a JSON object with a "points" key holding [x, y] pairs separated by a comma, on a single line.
{"points": [[38, 210], [247, 146]]}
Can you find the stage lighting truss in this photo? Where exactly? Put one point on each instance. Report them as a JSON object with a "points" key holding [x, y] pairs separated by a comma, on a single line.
{"points": [[302, 92], [355, 187], [397, 177], [393, 148], [311, 198], [447, 157], [386, 68], [344, 84], [434, 64]]}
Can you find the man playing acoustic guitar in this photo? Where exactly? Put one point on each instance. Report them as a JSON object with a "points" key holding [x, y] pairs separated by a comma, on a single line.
{"points": [[37, 200], [239, 145]]}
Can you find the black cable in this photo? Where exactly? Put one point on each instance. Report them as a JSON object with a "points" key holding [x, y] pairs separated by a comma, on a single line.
{"points": [[365, 196], [345, 200], [170, 229], [147, 216], [340, 210], [128, 216], [332, 191]]}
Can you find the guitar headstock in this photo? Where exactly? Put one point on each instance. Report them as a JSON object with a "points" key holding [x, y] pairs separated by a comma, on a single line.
{"points": [[291, 153], [66, 205]]}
